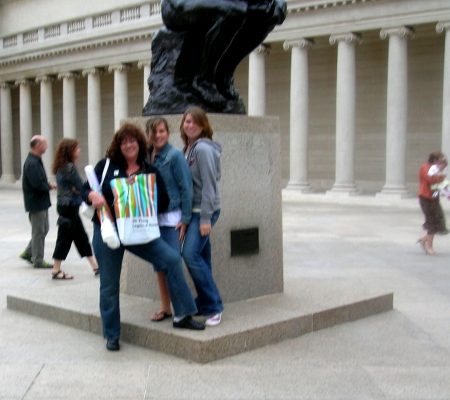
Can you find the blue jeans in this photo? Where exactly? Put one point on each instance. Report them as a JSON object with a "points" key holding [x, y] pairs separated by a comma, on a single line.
{"points": [[163, 258], [171, 237], [197, 255]]}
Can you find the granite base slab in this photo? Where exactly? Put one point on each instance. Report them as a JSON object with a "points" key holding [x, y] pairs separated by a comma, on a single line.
{"points": [[246, 325]]}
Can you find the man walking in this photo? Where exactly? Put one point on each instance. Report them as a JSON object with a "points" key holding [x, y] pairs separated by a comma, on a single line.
{"points": [[36, 197]]}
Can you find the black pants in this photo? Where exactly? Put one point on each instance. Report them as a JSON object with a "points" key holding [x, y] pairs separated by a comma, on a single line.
{"points": [[73, 233]]}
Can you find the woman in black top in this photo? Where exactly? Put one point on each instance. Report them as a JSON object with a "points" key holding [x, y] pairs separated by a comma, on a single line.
{"points": [[70, 227]]}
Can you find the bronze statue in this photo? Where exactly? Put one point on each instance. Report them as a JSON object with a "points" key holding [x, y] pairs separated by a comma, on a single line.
{"points": [[208, 39]]}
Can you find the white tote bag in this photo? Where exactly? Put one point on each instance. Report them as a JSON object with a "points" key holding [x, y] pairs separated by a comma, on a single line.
{"points": [[135, 208]]}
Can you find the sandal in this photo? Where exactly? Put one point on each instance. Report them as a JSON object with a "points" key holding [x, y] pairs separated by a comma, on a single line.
{"points": [[160, 316], [57, 276], [96, 272]]}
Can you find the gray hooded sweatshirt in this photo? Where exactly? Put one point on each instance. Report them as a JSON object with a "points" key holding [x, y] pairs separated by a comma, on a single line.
{"points": [[204, 162]]}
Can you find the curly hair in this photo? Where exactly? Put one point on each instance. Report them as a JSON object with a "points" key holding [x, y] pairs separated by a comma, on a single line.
{"points": [[200, 118], [114, 152], [64, 154]]}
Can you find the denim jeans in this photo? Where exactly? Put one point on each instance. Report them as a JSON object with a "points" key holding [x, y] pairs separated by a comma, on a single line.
{"points": [[197, 255], [171, 237], [163, 258]]}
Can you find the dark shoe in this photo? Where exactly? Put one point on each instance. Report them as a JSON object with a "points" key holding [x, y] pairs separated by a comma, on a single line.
{"points": [[189, 323], [96, 272], [26, 257], [113, 344], [42, 264]]}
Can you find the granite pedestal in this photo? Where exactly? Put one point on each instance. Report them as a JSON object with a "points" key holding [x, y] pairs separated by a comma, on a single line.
{"points": [[251, 198]]}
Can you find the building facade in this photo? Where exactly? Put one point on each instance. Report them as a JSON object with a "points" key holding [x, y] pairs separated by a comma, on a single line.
{"points": [[362, 87]]}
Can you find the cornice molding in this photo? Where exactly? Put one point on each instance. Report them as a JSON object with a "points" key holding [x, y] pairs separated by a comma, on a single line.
{"points": [[30, 56], [302, 43], [312, 5]]}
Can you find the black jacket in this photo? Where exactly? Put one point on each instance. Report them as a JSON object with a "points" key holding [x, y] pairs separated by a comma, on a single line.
{"points": [[35, 185], [114, 171]]}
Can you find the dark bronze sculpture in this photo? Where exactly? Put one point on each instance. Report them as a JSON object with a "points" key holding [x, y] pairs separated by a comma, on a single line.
{"points": [[194, 57]]}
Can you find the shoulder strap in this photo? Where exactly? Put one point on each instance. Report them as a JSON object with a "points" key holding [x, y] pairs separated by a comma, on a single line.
{"points": [[105, 170]]}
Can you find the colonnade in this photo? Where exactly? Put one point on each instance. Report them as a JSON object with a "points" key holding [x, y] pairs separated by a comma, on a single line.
{"points": [[397, 109], [94, 103], [396, 120]]}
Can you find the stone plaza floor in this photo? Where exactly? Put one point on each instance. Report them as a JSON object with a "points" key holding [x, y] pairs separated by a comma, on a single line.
{"points": [[361, 242]]}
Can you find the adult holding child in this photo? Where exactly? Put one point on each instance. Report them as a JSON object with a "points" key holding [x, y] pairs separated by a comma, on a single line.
{"points": [[177, 178], [127, 154], [430, 205], [203, 157], [70, 227]]}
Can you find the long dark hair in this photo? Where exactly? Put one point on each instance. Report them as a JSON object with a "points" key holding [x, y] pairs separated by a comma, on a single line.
{"points": [[64, 154], [114, 152]]}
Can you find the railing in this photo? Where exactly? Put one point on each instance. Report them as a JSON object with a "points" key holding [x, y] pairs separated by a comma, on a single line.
{"points": [[125, 15], [76, 26], [30, 37]]}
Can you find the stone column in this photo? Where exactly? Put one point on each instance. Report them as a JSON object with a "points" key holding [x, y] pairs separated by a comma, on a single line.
{"points": [[7, 133], [26, 118], [257, 81], [299, 111], [397, 110], [94, 114], [46, 82], [345, 114], [146, 65], [120, 92], [441, 27], [69, 104]]}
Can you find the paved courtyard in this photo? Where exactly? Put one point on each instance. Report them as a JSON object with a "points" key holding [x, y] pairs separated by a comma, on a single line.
{"points": [[367, 242]]}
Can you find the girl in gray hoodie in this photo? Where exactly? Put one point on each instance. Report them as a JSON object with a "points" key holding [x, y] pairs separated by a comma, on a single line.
{"points": [[203, 157]]}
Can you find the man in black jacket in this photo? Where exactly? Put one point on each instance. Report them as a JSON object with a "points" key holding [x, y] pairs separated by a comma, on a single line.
{"points": [[36, 197]]}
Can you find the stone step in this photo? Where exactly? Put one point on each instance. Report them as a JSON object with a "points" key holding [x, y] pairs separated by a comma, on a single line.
{"points": [[246, 325]]}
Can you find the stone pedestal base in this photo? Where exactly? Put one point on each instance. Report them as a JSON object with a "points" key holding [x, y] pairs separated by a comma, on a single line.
{"points": [[251, 198]]}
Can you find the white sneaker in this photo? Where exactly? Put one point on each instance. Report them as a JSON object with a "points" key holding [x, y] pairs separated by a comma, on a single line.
{"points": [[214, 320]]}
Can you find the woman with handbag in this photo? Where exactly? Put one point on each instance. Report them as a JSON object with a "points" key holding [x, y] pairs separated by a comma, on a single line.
{"points": [[203, 157], [177, 178], [430, 205], [127, 153], [70, 227]]}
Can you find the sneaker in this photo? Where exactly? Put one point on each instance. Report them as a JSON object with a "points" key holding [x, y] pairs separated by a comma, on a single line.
{"points": [[26, 257], [42, 264], [113, 344], [214, 320], [189, 323]]}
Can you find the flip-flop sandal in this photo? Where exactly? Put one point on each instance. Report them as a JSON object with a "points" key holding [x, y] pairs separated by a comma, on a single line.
{"points": [[57, 276], [160, 316]]}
